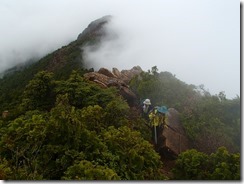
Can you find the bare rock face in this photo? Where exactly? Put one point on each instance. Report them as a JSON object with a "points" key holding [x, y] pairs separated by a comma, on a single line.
{"points": [[174, 121], [116, 72], [98, 78], [130, 73], [173, 138], [120, 80], [95, 28], [127, 75], [106, 72]]}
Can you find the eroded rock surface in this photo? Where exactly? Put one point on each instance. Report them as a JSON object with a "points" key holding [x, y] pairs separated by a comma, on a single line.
{"points": [[105, 78], [174, 139]]}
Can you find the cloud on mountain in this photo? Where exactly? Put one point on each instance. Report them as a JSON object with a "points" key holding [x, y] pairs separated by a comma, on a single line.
{"points": [[198, 41]]}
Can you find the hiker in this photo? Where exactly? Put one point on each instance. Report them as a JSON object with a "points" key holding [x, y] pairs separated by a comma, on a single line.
{"points": [[147, 107], [158, 121]]}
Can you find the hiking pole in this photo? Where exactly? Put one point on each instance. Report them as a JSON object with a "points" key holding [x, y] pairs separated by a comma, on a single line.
{"points": [[155, 134]]}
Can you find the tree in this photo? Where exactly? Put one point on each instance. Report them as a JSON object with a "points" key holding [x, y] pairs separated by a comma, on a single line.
{"points": [[38, 93], [211, 123], [82, 93], [154, 70], [222, 96], [22, 143], [190, 165], [194, 165], [85, 170], [135, 158], [226, 166], [117, 111], [5, 171], [94, 117]]}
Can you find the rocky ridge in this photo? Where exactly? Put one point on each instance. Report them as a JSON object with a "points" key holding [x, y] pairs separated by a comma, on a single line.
{"points": [[95, 28], [173, 140], [105, 78]]}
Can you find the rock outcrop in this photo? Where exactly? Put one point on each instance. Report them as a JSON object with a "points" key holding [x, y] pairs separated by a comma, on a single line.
{"points": [[95, 28], [105, 78], [173, 139]]}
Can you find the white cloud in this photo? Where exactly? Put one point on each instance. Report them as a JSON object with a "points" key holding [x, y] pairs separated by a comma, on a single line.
{"points": [[199, 41]]}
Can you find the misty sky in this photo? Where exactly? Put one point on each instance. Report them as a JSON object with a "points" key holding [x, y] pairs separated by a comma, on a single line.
{"points": [[197, 40]]}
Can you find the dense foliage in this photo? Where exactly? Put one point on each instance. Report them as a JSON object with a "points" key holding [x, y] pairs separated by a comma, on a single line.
{"points": [[194, 165], [213, 121], [210, 121], [60, 62], [73, 129], [61, 126], [64, 127]]}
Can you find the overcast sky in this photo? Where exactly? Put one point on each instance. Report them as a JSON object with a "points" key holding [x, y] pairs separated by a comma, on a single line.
{"points": [[197, 40]]}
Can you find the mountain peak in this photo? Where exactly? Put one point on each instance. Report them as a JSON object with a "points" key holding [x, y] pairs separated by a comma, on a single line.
{"points": [[95, 28]]}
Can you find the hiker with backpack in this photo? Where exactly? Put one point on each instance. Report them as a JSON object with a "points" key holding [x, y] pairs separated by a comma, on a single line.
{"points": [[146, 108], [157, 119]]}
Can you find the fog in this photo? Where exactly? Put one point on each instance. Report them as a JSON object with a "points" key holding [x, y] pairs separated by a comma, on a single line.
{"points": [[198, 41]]}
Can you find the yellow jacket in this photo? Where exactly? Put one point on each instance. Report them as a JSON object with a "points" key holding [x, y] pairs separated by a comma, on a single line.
{"points": [[157, 119]]}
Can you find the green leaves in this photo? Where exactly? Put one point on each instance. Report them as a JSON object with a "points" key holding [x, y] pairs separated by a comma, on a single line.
{"points": [[137, 159], [189, 165], [39, 92], [194, 165], [64, 133], [161, 88], [21, 144], [116, 113], [85, 170], [227, 166], [209, 121], [93, 117], [212, 123]]}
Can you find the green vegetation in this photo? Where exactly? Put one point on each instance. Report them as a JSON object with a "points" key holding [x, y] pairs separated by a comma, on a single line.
{"points": [[71, 129], [194, 165], [61, 126], [84, 134], [213, 121], [65, 127], [209, 121], [60, 62]]}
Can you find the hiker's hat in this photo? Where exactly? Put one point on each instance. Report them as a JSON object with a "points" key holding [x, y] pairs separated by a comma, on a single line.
{"points": [[162, 109], [147, 102]]}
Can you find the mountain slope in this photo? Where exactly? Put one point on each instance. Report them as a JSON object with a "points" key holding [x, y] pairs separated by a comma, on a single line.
{"points": [[61, 62], [162, 88], [67, 122]]}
